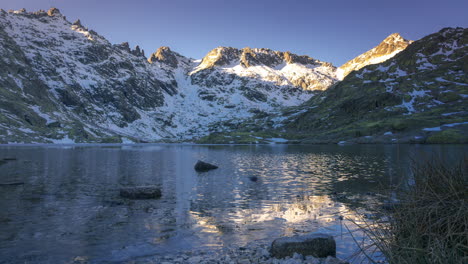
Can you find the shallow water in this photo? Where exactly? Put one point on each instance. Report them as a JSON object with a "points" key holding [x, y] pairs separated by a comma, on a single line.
{"points": [[69, 208]]}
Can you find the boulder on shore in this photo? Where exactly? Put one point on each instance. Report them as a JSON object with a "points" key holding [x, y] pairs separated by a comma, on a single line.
{"points": [[203, 166], [141, 192], [315, 244]]}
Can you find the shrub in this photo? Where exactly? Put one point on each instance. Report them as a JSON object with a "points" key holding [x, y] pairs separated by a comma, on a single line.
{"points": [[449, 136]]}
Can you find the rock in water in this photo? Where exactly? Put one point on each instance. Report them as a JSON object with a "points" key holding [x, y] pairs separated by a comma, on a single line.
{"points": [[253, 178], [203, 166], [143, 192], [11, 183], [315, 244]]}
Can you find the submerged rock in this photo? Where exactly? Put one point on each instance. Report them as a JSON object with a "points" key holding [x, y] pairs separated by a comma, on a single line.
{"points": [[201, 166], [5, 160], [253, 178], [142, 192], [315, 244], [11, 183]]}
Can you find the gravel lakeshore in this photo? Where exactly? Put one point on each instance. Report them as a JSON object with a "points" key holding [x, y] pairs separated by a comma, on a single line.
{"points": [[240, 255]]}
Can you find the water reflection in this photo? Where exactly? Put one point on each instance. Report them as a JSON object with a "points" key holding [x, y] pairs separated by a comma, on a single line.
{"points": [[69, 206]]}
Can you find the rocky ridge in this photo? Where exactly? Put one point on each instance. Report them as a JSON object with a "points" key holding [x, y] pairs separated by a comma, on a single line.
{"points": [[62, 82], [282, 68], [388, 48]]}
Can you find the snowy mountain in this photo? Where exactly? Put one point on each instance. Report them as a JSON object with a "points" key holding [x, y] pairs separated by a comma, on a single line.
{"points": [[277, 68], [62, 82], [419, 95], [388, 48]]}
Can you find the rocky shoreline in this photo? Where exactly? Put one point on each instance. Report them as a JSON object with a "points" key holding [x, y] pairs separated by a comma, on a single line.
{"points": [[238, 255]]}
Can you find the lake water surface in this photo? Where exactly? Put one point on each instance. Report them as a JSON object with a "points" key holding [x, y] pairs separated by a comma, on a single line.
{"points": [[69, 205]]}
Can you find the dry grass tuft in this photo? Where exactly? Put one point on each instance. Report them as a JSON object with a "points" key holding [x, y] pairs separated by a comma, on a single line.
{"points": [[430, 224]]}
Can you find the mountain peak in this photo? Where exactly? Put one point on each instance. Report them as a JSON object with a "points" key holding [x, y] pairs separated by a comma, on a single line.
{"points": [[138, 52], [53, 11], [248, 57], [165, 55], [219, 56], [394, 36], [395, 39], [388, 48], [77, 23]]}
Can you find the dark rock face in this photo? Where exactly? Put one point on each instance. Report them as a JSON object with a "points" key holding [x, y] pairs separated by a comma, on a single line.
{"points": [[267, 57], [142, 192], [315, 244], [77, 23], [125, 46], [138, 52], [203, 166]]}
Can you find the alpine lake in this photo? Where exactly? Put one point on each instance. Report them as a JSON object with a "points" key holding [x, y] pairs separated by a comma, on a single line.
{"points": [[61, 203]]}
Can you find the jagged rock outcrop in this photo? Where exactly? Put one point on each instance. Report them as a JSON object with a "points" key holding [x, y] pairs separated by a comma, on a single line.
{"points": [[138, 52], [77, 23], [165, 55], [248, 57], [388, 48], [52, 12]]}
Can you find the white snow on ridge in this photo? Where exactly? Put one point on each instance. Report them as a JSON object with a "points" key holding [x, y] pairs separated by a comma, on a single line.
{"points": [[64, 140], [453, 113]]}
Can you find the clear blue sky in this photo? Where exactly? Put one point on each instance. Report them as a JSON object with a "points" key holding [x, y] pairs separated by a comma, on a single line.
{"points": [[329, 30]]}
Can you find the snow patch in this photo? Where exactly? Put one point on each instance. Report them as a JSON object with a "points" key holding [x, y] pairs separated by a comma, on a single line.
{"points": [[439, 128], [276, 140], [64, 140]]}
